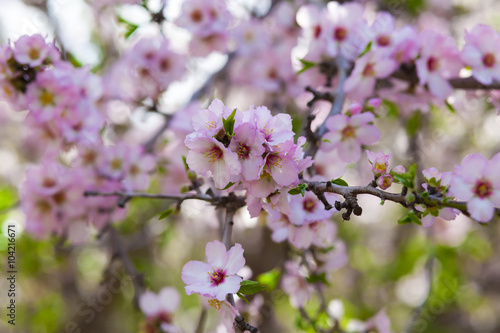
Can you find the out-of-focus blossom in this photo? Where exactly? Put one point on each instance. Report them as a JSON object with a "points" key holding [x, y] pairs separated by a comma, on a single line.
{"points": [[347, 134], [159, 309], [217, 277], [477, 181]]}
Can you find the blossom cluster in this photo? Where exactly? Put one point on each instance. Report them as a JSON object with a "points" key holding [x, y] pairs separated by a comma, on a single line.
{"points": [[250, 148], [340, 30], [53, 194], [146, 70], [208, 23], [62, 100]]}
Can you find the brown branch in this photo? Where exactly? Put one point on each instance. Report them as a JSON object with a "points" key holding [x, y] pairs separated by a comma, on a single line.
{"points": [[349, 192], [231, 200]]}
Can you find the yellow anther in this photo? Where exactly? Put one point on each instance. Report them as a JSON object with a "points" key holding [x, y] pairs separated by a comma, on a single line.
{"points": [[214, 303]]}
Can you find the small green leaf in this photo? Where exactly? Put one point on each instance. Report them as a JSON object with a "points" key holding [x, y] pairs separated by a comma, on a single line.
{"points": [[300, 189], [366, 50], [340, 182], [425, 194], [315, 278], [75, 62], [307, 65], [392, 108], [227, 186], [130, 27], [410, 217], [450, 107], [240, 295], [229, 123], [269, 279], [326, 140], [166, 213], [186, 166], [248, 287]]}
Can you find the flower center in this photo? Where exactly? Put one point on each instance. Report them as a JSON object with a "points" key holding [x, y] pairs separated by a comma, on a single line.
{"points": [[432, 64], [116, 164], [274, 160], [368, 71], [489, 60], [349, 132], [243, 151], [46, 98], [34, 54], [383, 40], [380, 167], [340, 34], [217, 276], [49, 182], [483, 188], [165, 317], [214, 154], [196, 16], [317, 31], [309, 205], [214, 303], [164, 65]]}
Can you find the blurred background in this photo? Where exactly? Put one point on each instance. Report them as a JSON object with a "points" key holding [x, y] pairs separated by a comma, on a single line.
{"points": [[79, 288]]}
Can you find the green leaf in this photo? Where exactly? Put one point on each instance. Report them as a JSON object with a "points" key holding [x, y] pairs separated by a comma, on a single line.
{"points": [[450, 107], [307, 65], [166, 213], [186, 166], [366, 50], [269, 279], [227, 186], [410, 217], [392, 108], [248, 287], [315, 278], [340, 181], [300, 189], [75, 62], [425, 194], [240, 295], [229, 123], [130, 27]]}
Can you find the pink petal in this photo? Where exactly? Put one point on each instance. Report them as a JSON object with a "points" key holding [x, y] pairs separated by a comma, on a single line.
{"points": [[368, 135], [169, 299], [195, 272], [481, 210], [235, 259], [216, 254], [231, 285]]}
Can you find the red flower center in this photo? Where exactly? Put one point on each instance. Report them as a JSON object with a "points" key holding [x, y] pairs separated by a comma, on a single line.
{"points": [[317, 31], [340, 34], [489, 60], [214, 154], [243, 151], [196, 15], [432, 64], [217, 276], [383, 40], [483, 188], [309, 204], [368, 70], [349, 132]]}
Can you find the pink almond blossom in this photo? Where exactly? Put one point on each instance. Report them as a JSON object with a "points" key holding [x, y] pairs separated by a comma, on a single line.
{"points": [[347, 134], [159, 308], [217, 277], [370, 67], [482, 53], [477, 181]]}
